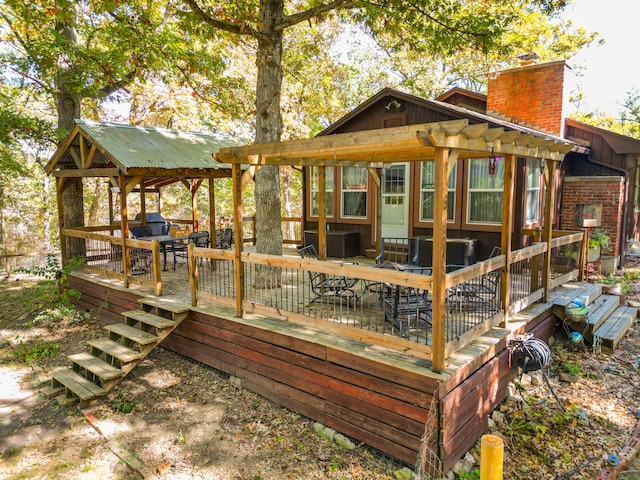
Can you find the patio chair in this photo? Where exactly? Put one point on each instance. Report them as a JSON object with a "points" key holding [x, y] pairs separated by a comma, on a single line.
{"points": [[141, 258], [478, 295], [224, 238], [406, 308], [329, 286], [180, 249]]}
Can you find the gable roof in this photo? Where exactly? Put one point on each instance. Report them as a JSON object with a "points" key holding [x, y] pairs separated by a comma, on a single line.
{"points": [[107, 149], [446, 108], [621, 144]]}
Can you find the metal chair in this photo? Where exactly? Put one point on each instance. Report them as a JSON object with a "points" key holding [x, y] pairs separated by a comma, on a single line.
{"points": [[329, 286], [224, 238], [141, 258], [406, 308], [199, 239], [478, 295]]}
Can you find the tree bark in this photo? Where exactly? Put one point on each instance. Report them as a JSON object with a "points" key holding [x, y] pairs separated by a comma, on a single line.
{"points": [[268, 129], [68, 107]]}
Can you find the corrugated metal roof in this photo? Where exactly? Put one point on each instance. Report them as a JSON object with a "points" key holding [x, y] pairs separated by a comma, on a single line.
{"points": [[130, 146]]}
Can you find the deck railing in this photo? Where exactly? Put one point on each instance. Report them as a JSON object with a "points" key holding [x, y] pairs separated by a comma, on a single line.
{"points": [[474, 294]]}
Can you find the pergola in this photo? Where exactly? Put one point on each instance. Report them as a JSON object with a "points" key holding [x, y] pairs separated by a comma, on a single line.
{"points": [[441, 142], [136, 159]]}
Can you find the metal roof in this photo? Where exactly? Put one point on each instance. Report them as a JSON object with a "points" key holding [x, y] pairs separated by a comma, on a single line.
{"points": [[133, 149]]}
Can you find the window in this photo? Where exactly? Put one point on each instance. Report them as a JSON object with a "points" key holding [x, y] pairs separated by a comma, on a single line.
{"points": [[533, 190], [315, 191], [427, 185], [354, 192], [484, 203]]}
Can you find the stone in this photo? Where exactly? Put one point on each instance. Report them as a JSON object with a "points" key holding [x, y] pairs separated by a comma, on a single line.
{"points": [[568, 377], [344, 442], [318, 427], [328, 433], [536, 378], [404, 474], [498, 417]]}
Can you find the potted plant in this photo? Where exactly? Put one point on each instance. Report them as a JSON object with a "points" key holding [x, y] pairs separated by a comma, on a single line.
{"points": [[598, 241]]}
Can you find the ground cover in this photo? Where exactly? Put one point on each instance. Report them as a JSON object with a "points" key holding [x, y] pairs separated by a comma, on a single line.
{"points": [[176, 419]]}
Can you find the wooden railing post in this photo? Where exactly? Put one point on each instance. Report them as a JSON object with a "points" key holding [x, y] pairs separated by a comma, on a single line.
{"points": [[193, 274], [547, 234], [322, 212], [124, 228], [535, 266], [439, 270], [507, 227], [236, 174], [157, 270], [582, 255]]}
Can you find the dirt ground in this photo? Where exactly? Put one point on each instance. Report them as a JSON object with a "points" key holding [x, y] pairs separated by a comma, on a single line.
{"points": [[192, 422]]}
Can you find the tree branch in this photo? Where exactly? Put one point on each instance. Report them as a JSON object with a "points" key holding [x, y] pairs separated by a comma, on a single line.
{"points": [[227, 27], [296, 18]]}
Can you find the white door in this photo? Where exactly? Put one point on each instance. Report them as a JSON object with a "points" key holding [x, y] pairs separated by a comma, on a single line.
{"points": [[394, 208]]}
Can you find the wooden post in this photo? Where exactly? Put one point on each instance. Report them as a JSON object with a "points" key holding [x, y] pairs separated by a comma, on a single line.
{"points": [[110, 206], [61, 225], [194, 204], [143, 206], [547, 232], [322, 212], [376, 175], [507, 228], [193, 274], [237, 233], [212, 211], [439, 271], [582, 255], [124, 228], [535, 266], [157, 269]]}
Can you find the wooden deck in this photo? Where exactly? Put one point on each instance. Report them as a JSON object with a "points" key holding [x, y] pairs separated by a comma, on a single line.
{"points": [[375, 394]]}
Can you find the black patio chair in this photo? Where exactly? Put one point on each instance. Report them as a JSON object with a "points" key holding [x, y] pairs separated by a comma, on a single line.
{"points": [[141, 258], [478, 295], [329, 286], [224, 239], [406, 308], [180, 249]]}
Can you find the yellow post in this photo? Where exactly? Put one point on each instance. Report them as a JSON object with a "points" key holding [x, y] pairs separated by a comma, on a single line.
{"points": [[491, 455]]}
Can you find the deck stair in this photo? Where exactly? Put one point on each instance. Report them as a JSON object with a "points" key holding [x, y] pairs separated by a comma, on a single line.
{"points": [[108, 360], [607, 320]]}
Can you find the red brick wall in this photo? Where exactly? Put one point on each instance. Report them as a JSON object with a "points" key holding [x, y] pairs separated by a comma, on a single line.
{"points": [[608, 191], [533, 95]]}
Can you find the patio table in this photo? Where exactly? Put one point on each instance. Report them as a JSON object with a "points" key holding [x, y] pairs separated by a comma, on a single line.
{"points": [[164, 239]]}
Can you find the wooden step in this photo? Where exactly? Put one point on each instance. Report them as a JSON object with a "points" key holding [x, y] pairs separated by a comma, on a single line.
{"points": [[115, 350], [76, 383], [585, 293], [167, 304], [148, 319], [613, 329], [65, 401], [95, 365], [130, 333], [600, 310]]}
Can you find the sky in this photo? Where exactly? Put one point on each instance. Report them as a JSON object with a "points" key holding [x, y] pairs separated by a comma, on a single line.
{"points": [[612, 69]]}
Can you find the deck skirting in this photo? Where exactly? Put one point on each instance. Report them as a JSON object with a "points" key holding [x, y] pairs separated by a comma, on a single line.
{"points": [[378, 396]]}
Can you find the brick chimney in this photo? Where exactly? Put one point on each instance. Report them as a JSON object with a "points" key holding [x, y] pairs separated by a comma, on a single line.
{"points": [[531, 95]]}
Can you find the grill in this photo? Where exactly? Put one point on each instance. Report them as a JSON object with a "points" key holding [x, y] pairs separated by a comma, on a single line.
{"points": [[156, 222]]}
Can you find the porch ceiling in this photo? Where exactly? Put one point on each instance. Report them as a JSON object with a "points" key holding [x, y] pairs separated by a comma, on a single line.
{"points": [[376, 148]]}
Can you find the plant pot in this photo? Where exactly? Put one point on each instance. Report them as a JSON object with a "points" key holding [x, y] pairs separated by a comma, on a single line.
{"points": [[593, 254], [609, 265]]}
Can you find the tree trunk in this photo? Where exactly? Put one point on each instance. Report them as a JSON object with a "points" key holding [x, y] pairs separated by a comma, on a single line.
{"points": [[268, 129], [68, 107]]}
